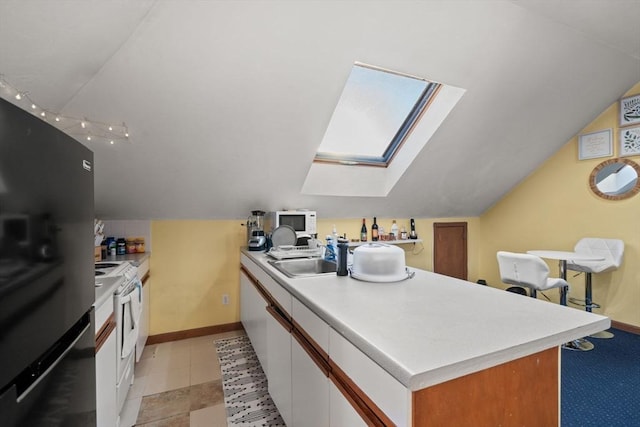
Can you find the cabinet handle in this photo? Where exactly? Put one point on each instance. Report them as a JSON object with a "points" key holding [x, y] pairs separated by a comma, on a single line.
{"points": [[280, 317], [317, 358], [367, 409]]}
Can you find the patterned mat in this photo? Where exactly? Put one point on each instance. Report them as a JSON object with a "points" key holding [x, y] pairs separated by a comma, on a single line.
{"points": [[246, 397]]}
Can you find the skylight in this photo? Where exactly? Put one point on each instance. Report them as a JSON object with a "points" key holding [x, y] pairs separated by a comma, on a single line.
{"points": [[375, 114], [382, 119]]}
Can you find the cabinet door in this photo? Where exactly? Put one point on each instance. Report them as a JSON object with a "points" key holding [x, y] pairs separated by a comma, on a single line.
{"points": [[106, 400], [279, 366], [342, 413], [144, 319], [253, 316], [310, 390]]}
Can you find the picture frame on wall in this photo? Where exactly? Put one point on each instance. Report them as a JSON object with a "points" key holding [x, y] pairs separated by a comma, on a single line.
{"points": [[595, 144], [630, 110], [630, 141]]}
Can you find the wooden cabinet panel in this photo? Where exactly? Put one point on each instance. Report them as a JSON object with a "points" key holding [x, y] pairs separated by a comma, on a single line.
{"points": [[501, 395]]}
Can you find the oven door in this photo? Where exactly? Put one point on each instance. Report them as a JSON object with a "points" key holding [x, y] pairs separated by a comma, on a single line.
{"points": [[131, 313]]}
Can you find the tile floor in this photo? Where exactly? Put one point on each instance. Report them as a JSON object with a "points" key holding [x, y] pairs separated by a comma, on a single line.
{"points": [[178, 384]]}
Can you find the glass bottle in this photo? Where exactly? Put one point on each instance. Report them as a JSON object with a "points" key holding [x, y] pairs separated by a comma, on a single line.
{"points": [[363, 231], [374, 230]]}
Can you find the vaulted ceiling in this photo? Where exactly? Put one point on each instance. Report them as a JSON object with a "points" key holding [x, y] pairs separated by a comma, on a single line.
{"points": [[227, 101]]}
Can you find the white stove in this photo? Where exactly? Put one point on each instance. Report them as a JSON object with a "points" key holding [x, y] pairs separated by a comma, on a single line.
{"points": [[114, 269], [127, 310]]}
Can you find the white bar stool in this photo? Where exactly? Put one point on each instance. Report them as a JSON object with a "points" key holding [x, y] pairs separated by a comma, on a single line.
{"points": [[612, 251]]}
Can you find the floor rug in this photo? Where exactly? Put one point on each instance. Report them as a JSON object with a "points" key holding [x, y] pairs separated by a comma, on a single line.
{"points": [[246, 396]]}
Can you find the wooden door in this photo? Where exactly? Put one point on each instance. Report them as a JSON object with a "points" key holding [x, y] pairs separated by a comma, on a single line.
{"points": [[450, 249]]}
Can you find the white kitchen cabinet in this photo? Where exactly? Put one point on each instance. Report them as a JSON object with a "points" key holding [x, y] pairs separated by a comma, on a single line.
{"points": [[310, 390], [106, 374], [342, 412], [309, 373], [253, 315], [384, 391], [279, 364], [292, 344], [106, 371]]}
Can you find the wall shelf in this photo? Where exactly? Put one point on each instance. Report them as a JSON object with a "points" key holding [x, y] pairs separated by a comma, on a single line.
{"points": [[389, 242]]}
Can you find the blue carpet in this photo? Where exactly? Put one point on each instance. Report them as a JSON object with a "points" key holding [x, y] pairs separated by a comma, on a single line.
{"points": [[601, 387]]}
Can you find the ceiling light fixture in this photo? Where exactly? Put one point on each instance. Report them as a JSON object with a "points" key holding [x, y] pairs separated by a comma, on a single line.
{"points": [[78, 128]]}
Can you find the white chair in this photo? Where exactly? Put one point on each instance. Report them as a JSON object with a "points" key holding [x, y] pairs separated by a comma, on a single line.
{"points": [[612, 251], [531, 272]]}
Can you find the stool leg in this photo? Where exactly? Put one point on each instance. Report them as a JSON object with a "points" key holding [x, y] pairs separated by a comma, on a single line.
{"points": [[588, 301], [587, 292]]}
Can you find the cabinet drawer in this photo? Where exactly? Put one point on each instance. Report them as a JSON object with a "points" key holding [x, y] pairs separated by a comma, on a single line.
{"points": [[391, 397], [314, 327], [280, 295]]}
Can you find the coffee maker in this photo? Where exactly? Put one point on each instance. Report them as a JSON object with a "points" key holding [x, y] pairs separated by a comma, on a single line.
{"points": [[256, 239]]}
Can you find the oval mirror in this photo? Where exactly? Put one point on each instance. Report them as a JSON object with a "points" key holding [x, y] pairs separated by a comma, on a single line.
{"points": [[615, 179]]}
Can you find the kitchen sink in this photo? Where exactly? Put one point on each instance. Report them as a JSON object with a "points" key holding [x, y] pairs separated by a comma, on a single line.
{"points": [[304, 267]]}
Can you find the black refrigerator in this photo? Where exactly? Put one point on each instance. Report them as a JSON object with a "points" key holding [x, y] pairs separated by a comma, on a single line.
{"points": [[47, 345]]}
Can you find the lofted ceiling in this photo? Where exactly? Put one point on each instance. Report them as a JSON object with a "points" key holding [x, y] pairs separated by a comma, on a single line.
{"points": [[227, 101]]}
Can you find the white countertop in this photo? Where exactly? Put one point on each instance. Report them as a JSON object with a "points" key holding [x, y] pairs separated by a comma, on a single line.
{"points": [[135, 259], [106, 290], [434, 328]]}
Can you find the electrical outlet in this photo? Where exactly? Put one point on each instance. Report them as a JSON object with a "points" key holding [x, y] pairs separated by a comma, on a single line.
{"points": [[225, 299]]}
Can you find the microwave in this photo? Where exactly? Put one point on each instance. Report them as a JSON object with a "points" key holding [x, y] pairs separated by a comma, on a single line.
{"points": [[303, 222]]}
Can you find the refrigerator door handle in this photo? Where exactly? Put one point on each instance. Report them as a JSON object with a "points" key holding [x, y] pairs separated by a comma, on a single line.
{"points": [[53, 365]]}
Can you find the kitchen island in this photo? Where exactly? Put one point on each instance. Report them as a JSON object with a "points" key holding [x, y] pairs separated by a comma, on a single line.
{"points": [[425, 350]]}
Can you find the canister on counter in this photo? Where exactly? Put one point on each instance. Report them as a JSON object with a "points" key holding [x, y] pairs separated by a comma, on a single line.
{"points": [[140, 245], [121, 246], [131, 246], [111, 246]]}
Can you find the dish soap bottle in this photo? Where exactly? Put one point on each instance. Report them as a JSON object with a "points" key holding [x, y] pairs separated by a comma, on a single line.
{"points": [[394, 230], [330, 251]]}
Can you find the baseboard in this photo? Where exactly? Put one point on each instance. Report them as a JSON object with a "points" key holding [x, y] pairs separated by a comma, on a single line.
{"points": [[625, 327], [193, 333]]}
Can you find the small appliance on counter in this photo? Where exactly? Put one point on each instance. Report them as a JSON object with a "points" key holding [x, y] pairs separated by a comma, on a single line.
{"points": [[258, 241], [256, 238]]}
